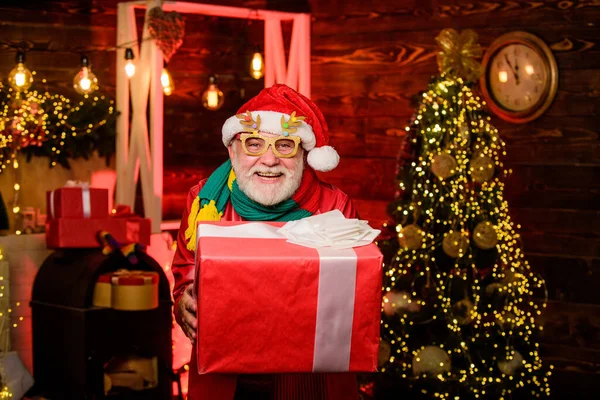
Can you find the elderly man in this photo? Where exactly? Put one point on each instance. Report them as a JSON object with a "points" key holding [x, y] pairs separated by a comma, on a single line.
{"points": [[275, 143]]}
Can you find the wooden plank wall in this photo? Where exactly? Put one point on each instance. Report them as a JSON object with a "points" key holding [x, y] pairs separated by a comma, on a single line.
{"points": [[368, 60]]}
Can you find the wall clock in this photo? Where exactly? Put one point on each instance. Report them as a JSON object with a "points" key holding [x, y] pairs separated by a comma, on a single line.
{"points": [[520, 77]]}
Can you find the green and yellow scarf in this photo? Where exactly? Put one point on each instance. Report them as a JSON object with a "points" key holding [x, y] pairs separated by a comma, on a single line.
{"points": [[221, 187]]}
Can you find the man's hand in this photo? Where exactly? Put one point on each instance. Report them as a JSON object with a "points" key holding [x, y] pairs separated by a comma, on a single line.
{"points": [[187, 312]]}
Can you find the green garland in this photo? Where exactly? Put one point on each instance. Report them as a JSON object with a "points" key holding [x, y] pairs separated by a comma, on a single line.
{"points": [[43, 124]]}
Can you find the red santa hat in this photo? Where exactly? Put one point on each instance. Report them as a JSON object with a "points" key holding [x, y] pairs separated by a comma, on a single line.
{"points": [[281, 110]]}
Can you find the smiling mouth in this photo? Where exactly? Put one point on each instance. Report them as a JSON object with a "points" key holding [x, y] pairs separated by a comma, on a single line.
{"points": [[268, 175]]}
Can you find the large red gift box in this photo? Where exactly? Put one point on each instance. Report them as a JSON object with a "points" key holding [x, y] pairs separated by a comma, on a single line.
{"points": [[77, 202], [268, 306], [65, 233]]}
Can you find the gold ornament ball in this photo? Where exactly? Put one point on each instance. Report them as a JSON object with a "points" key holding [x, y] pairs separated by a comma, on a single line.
{"points": [[395, 302], [506, 320], [492, 288], [455, 244], [482, 169], [512, 364], [431, 360], [485, 236], [385, 351], [411, 237], [513, 278], [443, 165], [462, 311]]}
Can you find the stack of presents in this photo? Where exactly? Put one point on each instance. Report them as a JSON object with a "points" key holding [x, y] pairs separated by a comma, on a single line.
{"points": [[77, 212], [78, 218]]}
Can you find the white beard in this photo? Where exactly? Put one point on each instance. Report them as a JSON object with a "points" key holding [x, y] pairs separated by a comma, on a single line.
{"points": [[269, 194]]}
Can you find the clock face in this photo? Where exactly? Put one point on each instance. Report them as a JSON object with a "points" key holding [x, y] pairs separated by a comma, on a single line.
{"points": [[518, 77]]}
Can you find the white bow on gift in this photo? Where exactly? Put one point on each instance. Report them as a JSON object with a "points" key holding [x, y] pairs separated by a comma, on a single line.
{"points": [[330, 229], [80, 184]]}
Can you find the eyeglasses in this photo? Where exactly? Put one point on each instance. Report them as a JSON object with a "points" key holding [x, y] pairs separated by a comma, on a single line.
{"points": [[255, 144]]}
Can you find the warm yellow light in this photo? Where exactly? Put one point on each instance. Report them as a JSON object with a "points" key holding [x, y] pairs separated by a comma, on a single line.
{"points": [[257, 66], [529, 69], [20, 78], [130, 68], [85, 82], [16, 209], [212, 98], [503, 76], [129, 65], [17, 186], [167, 82]]}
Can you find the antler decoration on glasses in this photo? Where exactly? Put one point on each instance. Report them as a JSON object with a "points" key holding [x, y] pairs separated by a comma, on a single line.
{"points": [[247, 121], [291, 125]]}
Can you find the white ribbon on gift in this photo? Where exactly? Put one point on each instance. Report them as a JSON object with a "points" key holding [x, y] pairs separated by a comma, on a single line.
{"points": [[85, 198], [335, 302], [330, 229]]}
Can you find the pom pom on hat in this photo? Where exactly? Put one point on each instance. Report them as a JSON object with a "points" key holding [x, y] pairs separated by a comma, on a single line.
{"points": [[278, 101], [323, 158]]}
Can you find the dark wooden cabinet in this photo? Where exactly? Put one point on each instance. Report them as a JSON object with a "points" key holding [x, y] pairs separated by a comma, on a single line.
{"points": [[73, 341]]}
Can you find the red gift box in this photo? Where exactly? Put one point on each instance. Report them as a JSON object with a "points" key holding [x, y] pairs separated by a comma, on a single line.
{"points": [[64, 233], [77, 202], [268, 306]]}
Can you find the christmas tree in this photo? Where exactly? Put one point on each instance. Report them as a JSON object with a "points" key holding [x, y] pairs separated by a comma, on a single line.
{"points": [[460, 301]]}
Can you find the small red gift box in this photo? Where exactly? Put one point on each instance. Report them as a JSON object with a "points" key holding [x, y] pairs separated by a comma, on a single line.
{"points": [[64, 233], [77, 202], [268, 306]]}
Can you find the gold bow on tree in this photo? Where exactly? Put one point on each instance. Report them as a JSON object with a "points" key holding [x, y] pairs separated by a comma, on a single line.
{"points": [[458, 54]]}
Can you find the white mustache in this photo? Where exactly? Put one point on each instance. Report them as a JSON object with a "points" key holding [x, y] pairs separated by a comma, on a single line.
{"points": [[274, 170]]}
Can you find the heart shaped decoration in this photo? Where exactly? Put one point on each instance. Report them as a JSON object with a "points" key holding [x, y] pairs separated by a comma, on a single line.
{"points": [[167, 30]]}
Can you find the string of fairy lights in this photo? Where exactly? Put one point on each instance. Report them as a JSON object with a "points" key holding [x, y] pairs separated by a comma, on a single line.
{"points": [[5, 324], [454, 214], [34, 118], [85, 81]]}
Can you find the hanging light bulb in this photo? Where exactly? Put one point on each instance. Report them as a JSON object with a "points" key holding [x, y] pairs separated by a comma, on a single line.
{"points": [[129, 65], [212, 98], [166, 81], [85, 82], [257, 66], [20, 78]]}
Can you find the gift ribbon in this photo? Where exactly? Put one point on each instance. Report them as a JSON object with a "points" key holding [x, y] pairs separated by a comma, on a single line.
{"points": [[335, 301], [85, 199], [335, 309], [52, 213]]}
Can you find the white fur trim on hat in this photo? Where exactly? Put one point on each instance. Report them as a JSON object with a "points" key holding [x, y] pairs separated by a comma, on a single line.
{"points": [[323, 158], [270, 122]]}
